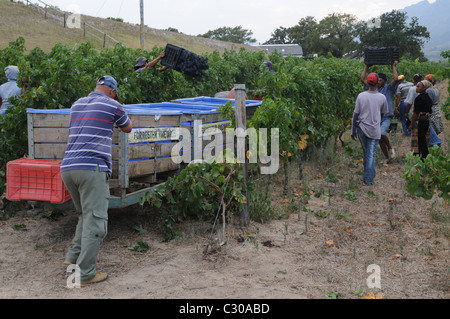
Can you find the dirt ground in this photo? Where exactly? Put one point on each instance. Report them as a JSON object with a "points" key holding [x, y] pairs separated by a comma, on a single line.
{"points": [[320, 251]]}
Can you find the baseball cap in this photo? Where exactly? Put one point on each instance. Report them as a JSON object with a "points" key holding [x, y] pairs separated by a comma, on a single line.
{"points": [[140, 63], [372, 79], [401, 77], [110, 82], [382, 76], [430, 77], [268, 63]]}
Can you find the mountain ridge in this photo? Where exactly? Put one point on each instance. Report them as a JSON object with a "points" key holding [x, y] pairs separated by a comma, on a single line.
{"points": [[434, 17]]}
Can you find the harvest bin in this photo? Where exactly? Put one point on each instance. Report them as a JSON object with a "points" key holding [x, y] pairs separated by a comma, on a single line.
{"points": [[142, 157], [39, 180], [381, 56], [172, 56]]}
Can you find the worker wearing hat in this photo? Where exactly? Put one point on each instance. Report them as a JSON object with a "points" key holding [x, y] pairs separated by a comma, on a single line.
{"points": [[370, 107], [108, 86], [431, 78], [86, 169], [400, 105], [388, 89], [269, 65]]}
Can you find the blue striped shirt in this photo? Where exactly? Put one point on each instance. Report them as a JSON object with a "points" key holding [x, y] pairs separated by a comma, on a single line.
{"points": [[90, 137]]}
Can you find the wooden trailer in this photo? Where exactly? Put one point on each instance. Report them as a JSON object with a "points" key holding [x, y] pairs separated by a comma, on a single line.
{"points": [[142, 159]]}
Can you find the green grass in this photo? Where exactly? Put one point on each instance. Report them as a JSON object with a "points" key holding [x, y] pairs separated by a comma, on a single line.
{"points": [[30, 23]]}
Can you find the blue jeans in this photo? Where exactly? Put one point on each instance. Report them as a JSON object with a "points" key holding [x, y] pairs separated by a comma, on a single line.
{"points": [[403, 107], [385, 125], [369, 147], [434, 138]]}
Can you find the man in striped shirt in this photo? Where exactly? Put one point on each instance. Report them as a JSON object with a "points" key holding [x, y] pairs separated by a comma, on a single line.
{"points": [[86, 168]]}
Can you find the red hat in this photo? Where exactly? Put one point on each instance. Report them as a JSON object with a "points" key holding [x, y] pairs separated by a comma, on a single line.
{"points": [[372, 79], [431, 78]]}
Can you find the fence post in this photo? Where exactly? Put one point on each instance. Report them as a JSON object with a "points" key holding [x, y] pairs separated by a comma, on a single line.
{"points": [[241, 132], [104, 41]]}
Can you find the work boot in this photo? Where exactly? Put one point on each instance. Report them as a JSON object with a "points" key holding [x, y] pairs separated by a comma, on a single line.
{"points": [[99, 277]]}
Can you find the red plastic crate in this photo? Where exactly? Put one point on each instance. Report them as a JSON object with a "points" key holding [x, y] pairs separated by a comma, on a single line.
{"points": [[38, 180]]}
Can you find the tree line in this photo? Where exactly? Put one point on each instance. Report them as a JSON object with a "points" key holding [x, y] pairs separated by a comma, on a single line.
{"points": [[341, 34]]}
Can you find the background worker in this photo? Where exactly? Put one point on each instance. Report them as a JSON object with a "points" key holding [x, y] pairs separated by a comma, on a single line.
{"points": [[388, 90], [269, 65], [86, 169], [401, 105], [436, 123], [142, 64], [420, 122], [10, 88], [434, 139]]}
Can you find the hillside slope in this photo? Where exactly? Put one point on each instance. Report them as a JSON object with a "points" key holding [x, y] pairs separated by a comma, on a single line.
{"points": [[434, 16], [19, 20]]}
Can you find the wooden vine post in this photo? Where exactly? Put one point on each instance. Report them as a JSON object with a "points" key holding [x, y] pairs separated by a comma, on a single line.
{"points": [[241, 128]]}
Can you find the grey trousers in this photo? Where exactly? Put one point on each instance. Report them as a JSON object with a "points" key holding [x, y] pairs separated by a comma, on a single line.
{"points": [[90, 195]]}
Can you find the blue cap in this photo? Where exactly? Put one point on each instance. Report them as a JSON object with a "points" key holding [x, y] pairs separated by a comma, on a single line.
{"points": [[110, 82], [383, 76], [268, 63]]}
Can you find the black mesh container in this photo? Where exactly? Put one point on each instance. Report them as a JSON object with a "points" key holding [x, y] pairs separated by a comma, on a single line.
{"points": [[172, 56], [381, 56]]}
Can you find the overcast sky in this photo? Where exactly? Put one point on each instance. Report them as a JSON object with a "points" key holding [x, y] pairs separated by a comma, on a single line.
{"points": [[262, 17]]}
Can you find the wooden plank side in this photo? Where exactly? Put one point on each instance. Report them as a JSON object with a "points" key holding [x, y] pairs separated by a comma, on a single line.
{"points": [[155, 121], [51, 120], [145, 150], [57, 151], [49, 151], [205, 118], [60, 135], [142, 168], [63, 120], [51, 135], [146, 167]]}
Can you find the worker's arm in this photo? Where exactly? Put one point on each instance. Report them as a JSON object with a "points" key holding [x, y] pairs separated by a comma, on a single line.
{"points": [[407, 110], [1, 102], [399, 98], [395, 73], [128, 128], [364, 74], [354, 134], [155, 61]]}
